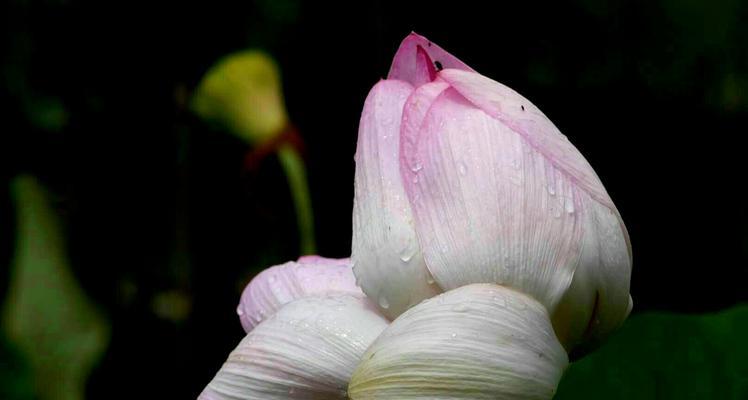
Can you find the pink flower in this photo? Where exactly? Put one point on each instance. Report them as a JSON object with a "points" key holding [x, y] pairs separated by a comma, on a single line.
{"points": [[461, 180], [467, 193]]}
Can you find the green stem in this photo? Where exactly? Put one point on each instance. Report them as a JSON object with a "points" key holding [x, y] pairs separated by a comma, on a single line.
{"points": [[295, 171]]}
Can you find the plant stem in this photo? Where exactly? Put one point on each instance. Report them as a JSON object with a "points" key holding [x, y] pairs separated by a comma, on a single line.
{"points": [[295, 171]]}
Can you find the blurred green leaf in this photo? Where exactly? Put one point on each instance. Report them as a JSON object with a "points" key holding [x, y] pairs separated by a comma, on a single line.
{"points": [[46, 315], [15, 377], [667, 356]]}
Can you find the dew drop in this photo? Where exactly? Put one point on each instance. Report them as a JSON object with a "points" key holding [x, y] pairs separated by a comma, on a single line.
{"points": [[500, 301], [454, 335], [383, 302], [551, 190], [406, 256], [416, 167], [430, 280], [569, 206], [239, 311], [462, 168], [557, 212]]}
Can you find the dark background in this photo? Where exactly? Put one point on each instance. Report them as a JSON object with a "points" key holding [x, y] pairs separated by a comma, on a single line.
{"points": [[93, 99]]}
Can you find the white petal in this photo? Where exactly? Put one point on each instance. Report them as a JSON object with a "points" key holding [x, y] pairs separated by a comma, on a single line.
{"points": [[480, 341], [598, 299], [280, 284], [307, 350], [388, 261], [488, 207]]}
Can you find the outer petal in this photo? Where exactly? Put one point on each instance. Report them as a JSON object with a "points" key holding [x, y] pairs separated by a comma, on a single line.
{"points": [[388, 261], [405, 65], [307, 350], [602, 282], [278, 285], [524, 118], [476, 342], [318, 260], [598, 299], [488, 207], [414, 112]]}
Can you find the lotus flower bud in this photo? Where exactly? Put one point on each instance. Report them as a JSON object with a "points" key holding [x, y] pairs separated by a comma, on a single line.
{"points": [[307, 350], [479, 341], [493, 193], [243, 92]]}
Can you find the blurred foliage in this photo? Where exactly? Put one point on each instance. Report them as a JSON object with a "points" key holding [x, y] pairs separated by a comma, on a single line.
{"points": [[667, 356], [46, 315], [16, 382]]}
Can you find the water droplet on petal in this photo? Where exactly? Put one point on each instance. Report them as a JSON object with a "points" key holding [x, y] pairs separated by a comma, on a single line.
{"points": [[569, 206], [459, 308], [383, 302], [462, 168], [519, 305], [239, 311]]}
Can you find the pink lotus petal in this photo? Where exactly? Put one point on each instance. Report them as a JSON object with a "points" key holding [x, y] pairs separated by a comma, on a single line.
{"points": [[278, 285], [489, 208], [388, 261], [414, 112], [523, 117], [425, 68], [318, 260], [405, 64]]}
